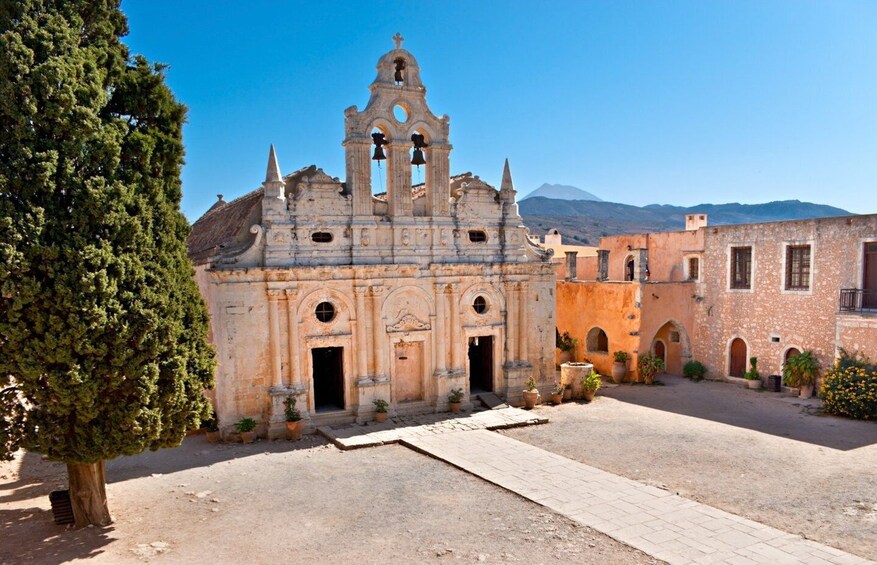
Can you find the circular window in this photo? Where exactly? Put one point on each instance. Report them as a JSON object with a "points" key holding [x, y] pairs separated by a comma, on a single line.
{"points": [[325, 312], [479, 305], [400, 114]]}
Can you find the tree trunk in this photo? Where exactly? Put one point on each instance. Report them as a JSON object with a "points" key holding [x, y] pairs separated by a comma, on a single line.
{"points": [[88, 493]]}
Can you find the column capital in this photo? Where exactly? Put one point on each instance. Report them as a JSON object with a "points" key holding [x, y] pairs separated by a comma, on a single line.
{"points": [[377, 290], [276, 294], [290, 293], [360, 290]]}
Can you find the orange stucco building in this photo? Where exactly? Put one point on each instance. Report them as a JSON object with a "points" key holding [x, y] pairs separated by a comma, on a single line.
{"points": [[722, 294]]}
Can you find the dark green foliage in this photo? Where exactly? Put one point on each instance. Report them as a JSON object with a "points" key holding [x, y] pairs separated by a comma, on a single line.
{"points": [[103, 347], [752, 374], [850, 387], [694, 370]]}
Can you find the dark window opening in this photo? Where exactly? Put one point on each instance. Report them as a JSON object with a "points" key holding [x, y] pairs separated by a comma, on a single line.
{"points": [[479, 305], [741, 267], [629, 269], [674, 337], [321, 237], [798, 267], [325, 312], [693, 268], [477, 236], [597, 341]]}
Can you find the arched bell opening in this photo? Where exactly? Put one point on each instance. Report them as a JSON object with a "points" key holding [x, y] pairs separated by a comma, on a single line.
{"points": [[418, 155], [379, 160]]}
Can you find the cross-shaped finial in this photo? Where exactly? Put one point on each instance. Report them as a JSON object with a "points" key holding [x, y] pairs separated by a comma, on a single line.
{"points": [[398, 39]]}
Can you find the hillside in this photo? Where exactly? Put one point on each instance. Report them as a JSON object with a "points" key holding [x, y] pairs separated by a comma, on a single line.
{"points": [[561, 192], [587, 221]]}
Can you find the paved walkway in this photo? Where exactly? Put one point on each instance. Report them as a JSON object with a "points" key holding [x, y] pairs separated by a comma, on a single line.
{"points": [[657, 522], [353, 436]]}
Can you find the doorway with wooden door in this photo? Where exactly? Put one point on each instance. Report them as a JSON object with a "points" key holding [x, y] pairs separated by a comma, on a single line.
{"points": [[481, 364], [328, 378], [737, 364], [408, 371], [660, 351], [869, 276]]}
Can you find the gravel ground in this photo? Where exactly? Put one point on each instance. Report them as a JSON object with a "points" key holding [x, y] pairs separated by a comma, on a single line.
{"points": [[279, 502], [768, 457]]}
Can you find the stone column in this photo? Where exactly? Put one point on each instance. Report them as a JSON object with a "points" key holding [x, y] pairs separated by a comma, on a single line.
{"points": [[441, 355], [378, 331], [454, 320], [602, 264], [359, 175], [360, 332], [571, 265], [292, 337], [511, 334], [438, 179], [399, 180], [274, 297], [523, 333]]}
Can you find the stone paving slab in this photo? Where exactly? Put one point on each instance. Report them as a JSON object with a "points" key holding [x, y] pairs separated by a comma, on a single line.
{"points": [[657, 522], [371, 434]]}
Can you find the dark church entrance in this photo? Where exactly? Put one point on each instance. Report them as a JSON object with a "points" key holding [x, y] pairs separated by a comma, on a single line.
{"points": [[481, 364], [328, 378]]}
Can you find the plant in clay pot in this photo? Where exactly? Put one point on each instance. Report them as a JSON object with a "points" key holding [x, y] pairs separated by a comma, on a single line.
{"points": [[567, 345], [619, 367], [567, 391], [455, 399], [753, 379], [212, 427], [648, 366], [590, 383], [801, 371], [531, 394], [381, 406], [293, 419], [694, 370], [245, 427], [557, 393]]}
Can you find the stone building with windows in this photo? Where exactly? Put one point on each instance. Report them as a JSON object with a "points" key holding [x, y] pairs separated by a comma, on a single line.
{"points": [[723, 294], [342, 292]]}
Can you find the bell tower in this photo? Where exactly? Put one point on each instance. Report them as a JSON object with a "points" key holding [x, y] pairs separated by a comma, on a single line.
{"points": [[407, 134]]}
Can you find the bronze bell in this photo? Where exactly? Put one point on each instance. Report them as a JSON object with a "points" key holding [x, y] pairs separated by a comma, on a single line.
{"points": [[417, 158], [400, 66], [379, 141]]}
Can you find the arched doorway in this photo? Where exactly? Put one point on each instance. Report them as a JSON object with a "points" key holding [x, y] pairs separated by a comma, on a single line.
{"points": [[629, 269], [672, 345], [660, 351], [737, 358], [789, 352]]}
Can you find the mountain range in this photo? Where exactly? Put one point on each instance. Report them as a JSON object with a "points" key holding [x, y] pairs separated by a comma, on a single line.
{"points": [[562, 192], [586, 221]]}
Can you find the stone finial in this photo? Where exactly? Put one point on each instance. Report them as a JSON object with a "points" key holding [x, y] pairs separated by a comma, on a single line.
{"points": [[398, 39], [219, 198], [273, 173], [507, 183]]}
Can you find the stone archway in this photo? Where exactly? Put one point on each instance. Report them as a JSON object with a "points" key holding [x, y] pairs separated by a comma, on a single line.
{"points": [[676, 346]]}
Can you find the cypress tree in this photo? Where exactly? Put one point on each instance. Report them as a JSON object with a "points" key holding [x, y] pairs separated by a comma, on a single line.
{"points": [[103, 333]]}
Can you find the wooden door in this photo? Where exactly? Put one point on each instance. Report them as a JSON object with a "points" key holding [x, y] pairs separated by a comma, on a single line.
{"points": [[791, 351], [408, 376], [869, 276], [738, 358], [661, 352]]}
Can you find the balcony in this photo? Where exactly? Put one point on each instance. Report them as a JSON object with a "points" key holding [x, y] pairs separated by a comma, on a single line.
{"points": [[856, 300]]}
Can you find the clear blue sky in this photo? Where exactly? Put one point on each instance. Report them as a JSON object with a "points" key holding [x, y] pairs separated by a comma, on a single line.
{"points": [[644, 102]]}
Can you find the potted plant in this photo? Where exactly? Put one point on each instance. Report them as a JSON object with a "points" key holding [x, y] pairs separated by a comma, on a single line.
{"points": [[381, 406], [694, 370], [753, 379], [245, 427], [648, 366], [212, 426], [293, 419], [567, 391], [590, 383], [619, 367], [566, 344], [557, 393], [531, 394], [455, 399], [801, 371]]}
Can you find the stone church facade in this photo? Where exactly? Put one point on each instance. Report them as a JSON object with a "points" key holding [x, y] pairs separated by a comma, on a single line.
{"points": [[326, 291]]}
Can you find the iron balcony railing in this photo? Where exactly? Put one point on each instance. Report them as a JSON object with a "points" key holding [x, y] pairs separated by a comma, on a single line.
{"points": [[858, 300]]}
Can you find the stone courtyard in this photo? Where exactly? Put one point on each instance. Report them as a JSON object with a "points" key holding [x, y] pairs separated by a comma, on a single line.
{"points": [[768, 463]]}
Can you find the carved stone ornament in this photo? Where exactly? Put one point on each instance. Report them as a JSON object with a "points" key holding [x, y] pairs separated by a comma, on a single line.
{"points": [[408, 322], [364, 238]]}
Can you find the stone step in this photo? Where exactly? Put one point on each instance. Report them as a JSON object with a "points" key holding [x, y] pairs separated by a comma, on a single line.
{"points": [[491, 400]]}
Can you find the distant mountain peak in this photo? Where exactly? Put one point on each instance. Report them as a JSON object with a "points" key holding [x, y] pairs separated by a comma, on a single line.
{"points": [[562, 192]]}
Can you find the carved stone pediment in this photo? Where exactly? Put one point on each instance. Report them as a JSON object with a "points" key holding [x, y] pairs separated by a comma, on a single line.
{"points": [[408, 322]]}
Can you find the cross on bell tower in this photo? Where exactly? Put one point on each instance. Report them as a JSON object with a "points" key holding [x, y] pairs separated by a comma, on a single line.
{"points": [[398, 39]]}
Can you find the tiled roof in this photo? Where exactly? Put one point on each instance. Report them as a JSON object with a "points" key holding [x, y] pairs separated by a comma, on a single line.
{"points": [[221, 226]]}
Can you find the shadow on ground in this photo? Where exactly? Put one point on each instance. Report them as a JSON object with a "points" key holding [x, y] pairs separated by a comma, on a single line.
{"points": [[767, 412]]}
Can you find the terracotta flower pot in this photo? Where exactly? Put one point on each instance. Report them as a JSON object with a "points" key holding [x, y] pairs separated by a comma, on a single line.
{"points": [[567, 393], [805, 391], [213, 437], [531, 397], [618, 372], [380, 417], [563, 357], [455, 406], [293, 430], [247, 437], [589, 394], [753, 383], [557, 398]]}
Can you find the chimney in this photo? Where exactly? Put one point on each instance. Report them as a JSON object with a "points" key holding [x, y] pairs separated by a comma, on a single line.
{"points": [[571, 265], [695, 221]]}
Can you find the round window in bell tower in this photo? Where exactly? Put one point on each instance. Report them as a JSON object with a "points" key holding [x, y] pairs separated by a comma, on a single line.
{"points": [[400, 113]]}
